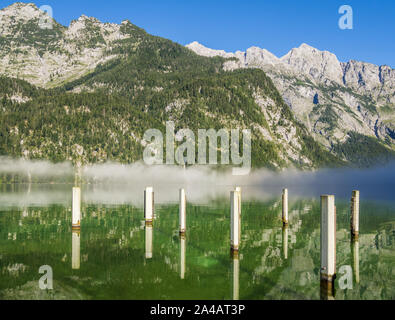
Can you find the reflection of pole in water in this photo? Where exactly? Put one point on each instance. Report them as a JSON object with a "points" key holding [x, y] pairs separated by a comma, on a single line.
{"points": [[328, 247], [29, 175], [285, 241], [78, 174], [183, 252], [75, 251], [236, 270], [234, 220], [76, 223], [148, 241], [182, 212], [238, 190], [327, 290], [328, 238], [355, 214], [355, 256], [285, 207], [149, 205]]}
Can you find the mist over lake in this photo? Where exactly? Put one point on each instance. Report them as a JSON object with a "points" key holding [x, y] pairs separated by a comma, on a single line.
{"points": [[116, 183]]}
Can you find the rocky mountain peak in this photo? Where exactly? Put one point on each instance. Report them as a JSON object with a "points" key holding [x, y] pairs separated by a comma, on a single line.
{"points": [[48, 56], [367, 76], [20, 17], [126, 22], [306, 48], [78, 26], [204, 51], [21, 11], [256, 55], [83, 19], [320, 65]]}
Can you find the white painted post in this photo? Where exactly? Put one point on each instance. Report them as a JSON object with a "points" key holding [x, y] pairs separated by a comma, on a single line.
{"points": [[183, 252], [285, 241], [234, 220], [75, 250], [149, 205], [182, 212], [236, 270], [76, 219], [285, 207], [328, 237], [148, 241], [355, 214]]}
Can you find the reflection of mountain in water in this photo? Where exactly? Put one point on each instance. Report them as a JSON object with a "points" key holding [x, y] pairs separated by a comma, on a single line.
{"points": [[114, 265]]}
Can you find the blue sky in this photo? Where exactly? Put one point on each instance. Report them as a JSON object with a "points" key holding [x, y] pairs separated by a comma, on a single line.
{"points": [[232, 25]]}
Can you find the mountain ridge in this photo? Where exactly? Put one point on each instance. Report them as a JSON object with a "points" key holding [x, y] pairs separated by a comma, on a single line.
{"points": [[195, 45], [315, 84], [86, 93], [286, 58]]}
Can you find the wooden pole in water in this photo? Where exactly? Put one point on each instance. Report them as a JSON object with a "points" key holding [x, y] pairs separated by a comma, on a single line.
{"points": [[149, 205], [285, 207], [76, 209], [355, 214], [328, 238], [182, 211], [234, 221], [75, 250]]}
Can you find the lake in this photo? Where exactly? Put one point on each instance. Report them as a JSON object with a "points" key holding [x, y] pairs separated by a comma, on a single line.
{"points": [[115, 256]]}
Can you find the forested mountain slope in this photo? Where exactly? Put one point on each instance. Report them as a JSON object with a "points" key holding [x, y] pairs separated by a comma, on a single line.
{"points": [[140, 82]]}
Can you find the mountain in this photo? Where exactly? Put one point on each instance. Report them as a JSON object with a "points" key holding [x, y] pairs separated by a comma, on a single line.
{"points": [[50, 57], [340, 103], [88, 92]]}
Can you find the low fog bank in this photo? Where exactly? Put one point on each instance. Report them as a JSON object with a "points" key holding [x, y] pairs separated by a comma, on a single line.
{"points": [[36, 168], [376, 183], [124, 184]]}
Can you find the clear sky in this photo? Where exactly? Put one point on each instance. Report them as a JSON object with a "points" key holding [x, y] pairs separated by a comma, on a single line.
{"points": [[277, 25]]}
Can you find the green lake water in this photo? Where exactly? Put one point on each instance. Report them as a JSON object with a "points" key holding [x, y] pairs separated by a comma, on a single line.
{"points": [[115, 256]]}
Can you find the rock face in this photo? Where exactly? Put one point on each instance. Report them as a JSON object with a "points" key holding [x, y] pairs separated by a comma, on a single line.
{"points": [[330, 97], [51, 56]]}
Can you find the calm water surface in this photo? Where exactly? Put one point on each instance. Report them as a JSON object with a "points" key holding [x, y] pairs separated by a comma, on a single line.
{"points": [[115, 256]]}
